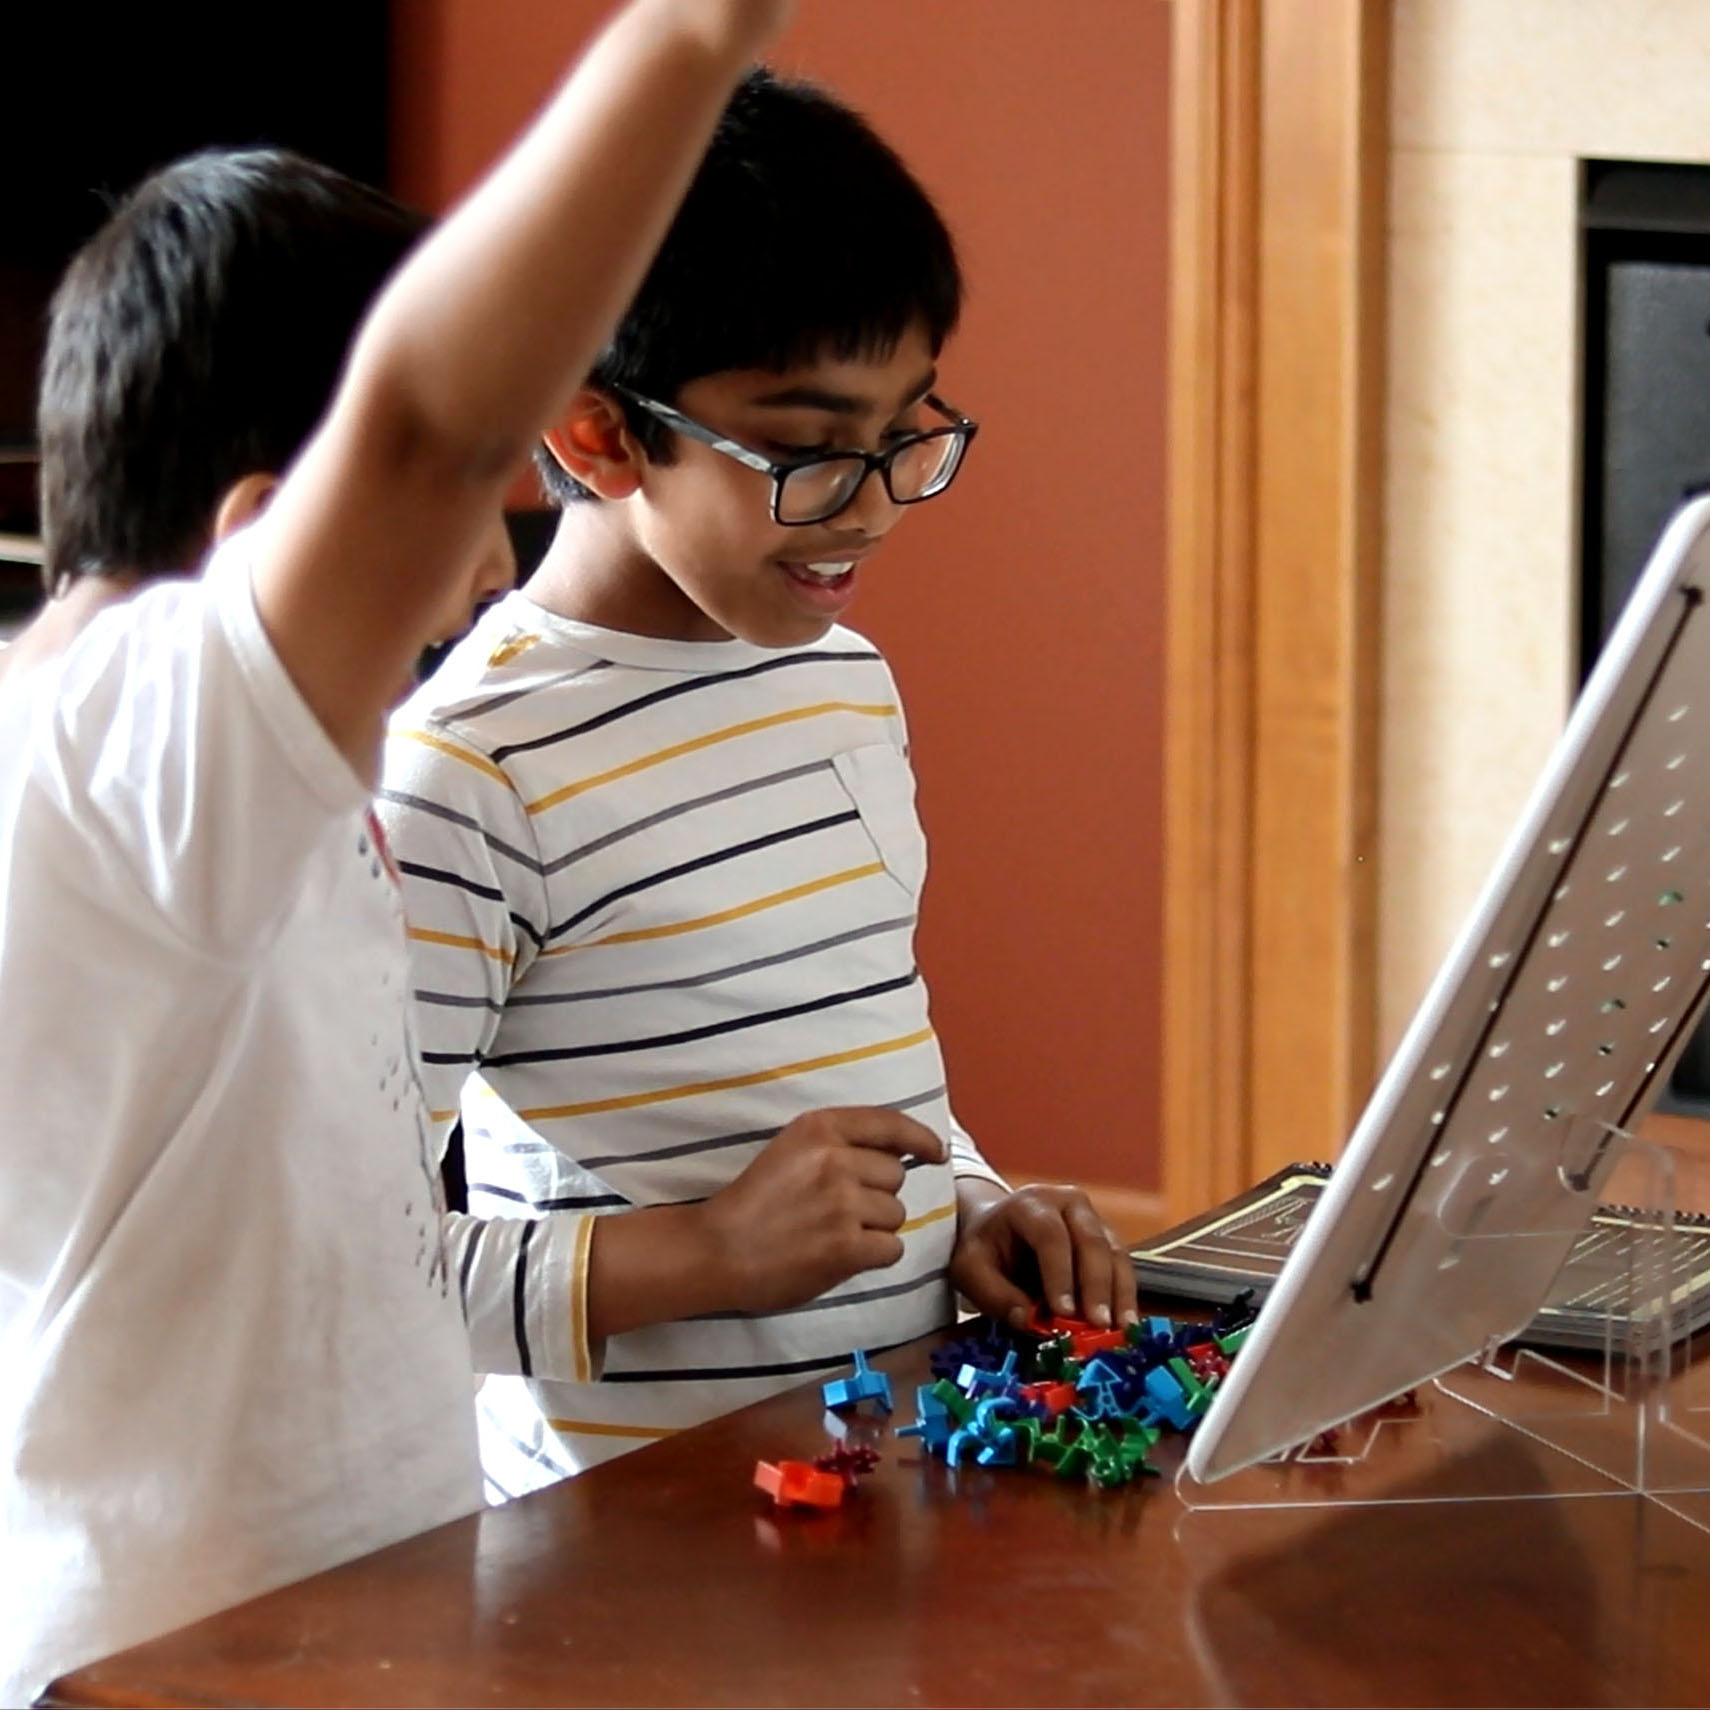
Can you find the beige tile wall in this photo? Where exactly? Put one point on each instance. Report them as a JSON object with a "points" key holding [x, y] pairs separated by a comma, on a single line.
{"points": [[1495, 102]]}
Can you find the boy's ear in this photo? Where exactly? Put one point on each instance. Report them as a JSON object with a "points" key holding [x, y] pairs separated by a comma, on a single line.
{"points": [[592, 444], [242, 502]]}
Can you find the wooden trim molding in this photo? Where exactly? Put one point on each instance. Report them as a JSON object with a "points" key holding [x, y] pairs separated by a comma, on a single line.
{"points": [[1279, 163], [1213, 267]]}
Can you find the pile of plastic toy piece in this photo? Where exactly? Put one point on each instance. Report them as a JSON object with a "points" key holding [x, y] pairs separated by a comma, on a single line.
{"points": [[1066, 1397]]}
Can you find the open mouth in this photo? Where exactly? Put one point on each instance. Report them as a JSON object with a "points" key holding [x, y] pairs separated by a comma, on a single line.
{"points": [[836, 574], [826, 584]]}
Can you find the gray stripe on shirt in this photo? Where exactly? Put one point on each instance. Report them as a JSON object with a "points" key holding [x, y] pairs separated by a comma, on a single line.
{"points": [[830, 1302], [545, 869], [521, 1000], [686, 1147]]}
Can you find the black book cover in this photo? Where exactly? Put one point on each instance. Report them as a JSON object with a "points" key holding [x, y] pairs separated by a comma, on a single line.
{"points": [[1242, 1245]]}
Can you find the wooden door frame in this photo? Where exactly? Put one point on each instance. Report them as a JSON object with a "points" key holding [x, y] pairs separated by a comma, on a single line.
{"points": [[1278, 175]]}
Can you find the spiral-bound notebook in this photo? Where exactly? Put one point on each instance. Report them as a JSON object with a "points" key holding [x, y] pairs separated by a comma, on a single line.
{"points": [[1242, 1245]]}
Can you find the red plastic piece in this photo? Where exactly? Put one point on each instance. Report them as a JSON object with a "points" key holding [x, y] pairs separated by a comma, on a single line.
{"points": [[1057, 1397], [1089, 1341], [1041, 1322], [1208, 1361], [799, 1484], [1085, 1339]]}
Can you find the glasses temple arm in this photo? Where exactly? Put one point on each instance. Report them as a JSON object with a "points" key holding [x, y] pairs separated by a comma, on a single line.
{"points": [[676, 420]]}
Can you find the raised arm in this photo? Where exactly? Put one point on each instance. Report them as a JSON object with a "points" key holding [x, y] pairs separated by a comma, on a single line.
{"points": [[368, 546]]}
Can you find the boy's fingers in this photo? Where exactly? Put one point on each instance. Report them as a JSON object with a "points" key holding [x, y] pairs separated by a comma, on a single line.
{"points": [[1048, 1235], [890, 1131], [878, 1210], [1094, 1271], [877, 1251], [875, 1169], [1125, 1293], [980, 1278]]}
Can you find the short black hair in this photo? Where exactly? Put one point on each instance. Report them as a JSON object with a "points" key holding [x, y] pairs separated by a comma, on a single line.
{"points": [[199, 337], [803, 236]]}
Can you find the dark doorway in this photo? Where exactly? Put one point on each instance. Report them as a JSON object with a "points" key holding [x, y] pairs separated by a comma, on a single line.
{"points": [[1645, 233]]}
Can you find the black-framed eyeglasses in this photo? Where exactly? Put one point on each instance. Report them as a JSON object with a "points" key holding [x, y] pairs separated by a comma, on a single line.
{"points": [[814, 489]]}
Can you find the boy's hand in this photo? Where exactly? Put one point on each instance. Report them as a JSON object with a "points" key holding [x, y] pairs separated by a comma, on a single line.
{"points": [[1040, 1244], [748, 24], [817, 1206]]}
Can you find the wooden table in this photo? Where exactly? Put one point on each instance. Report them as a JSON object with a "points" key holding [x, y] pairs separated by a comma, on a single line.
{"points": [[665, 1578]]}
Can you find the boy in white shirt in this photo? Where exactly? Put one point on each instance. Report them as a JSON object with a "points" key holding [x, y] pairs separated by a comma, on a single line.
{"points": [[656, 823], [232, 1352]]}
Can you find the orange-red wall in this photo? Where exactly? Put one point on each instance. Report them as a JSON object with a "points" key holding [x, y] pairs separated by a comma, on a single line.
{"points": [[1023, 612]]}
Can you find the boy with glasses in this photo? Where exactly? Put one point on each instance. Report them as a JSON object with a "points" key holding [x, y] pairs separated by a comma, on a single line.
{"points": [[656, 823]]}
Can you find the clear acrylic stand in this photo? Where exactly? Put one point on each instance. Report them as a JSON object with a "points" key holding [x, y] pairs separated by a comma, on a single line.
{"points": [[1629, 1417]]}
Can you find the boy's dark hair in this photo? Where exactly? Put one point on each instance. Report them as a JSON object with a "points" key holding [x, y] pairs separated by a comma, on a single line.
{"points": [[802, 237], [199, 337]]}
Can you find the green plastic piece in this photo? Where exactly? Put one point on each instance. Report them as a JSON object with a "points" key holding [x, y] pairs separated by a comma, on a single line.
{"points": [[1028, 1435], [1135, 1434], [1231, 1343], [959, 1406], [1109, 1471], [1073, 1461], [1198, 1396], [1049, 1356], [1098, 1439]]}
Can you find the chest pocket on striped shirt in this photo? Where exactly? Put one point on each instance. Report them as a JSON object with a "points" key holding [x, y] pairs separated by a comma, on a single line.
{"points": [[880, 782]]}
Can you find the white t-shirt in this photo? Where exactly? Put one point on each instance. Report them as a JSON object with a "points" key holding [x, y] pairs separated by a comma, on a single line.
{"points": [[230, 1352]]}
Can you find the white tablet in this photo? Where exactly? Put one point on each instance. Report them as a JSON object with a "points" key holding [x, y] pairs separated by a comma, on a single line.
{"points": [[1554, 1020]]}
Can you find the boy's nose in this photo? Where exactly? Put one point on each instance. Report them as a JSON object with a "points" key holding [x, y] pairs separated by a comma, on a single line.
{"points": [[872, 510]]}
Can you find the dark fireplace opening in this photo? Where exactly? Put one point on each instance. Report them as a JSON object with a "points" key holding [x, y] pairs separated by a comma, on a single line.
{"points": [[1645, 409]]}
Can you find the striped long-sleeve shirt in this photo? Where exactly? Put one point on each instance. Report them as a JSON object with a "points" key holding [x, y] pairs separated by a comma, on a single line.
{"points": [[662, 897]]}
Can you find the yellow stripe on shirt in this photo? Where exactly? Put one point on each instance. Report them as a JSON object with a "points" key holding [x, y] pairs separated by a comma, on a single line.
{"points": [[581, 1358], [440, 746], [632, 1101], [595, 1428], [426, 935], [913, 1223], [885, 709], [676, 927]]}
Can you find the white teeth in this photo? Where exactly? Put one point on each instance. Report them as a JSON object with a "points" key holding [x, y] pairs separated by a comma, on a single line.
{"points": [[827, 572]]}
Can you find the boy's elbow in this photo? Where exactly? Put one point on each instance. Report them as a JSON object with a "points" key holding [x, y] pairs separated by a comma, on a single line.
{"points": [[404, 431]]}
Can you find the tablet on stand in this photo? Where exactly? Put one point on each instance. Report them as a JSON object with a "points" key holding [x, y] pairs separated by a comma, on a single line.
{"points": [[1549, 1030]]}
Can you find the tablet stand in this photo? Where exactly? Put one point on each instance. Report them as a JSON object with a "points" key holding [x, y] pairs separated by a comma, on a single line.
{"points": [[1628, 1419]]}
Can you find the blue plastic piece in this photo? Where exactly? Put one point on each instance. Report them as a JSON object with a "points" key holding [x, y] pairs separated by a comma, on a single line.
{"points": [[865, 1385], [994, 1412], [976, 1380], [962, 1441], [932, 1423], [934, 1433], [1169, 1399], [1098, 1373]]}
